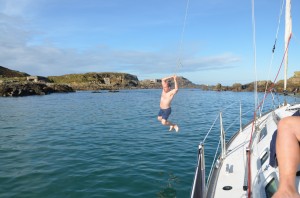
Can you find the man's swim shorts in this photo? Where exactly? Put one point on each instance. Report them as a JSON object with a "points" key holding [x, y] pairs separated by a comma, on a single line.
{"points": [[164, 113]]}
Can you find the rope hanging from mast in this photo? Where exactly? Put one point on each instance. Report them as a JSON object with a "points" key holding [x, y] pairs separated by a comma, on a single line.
{"points": [[180, 47]]}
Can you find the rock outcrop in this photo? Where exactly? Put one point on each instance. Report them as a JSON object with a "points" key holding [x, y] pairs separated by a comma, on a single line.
{"points": [[16, 89], [8, 73], [87, 81], [156, 83], [97, 81], [293, 83], [293, 86], [15, 83]]}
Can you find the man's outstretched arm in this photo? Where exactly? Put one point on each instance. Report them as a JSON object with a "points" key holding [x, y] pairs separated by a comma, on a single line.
{"points": [[175, 90], [164, 80], [175, 82]]}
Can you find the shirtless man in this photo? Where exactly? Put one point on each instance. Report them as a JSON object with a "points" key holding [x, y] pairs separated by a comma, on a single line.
{"points": [[165, 102], [288, 155]]}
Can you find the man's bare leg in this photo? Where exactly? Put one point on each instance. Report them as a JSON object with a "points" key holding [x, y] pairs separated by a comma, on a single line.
{"points": [[176, 128], [288, 154], [168, 123], [159, 118]]}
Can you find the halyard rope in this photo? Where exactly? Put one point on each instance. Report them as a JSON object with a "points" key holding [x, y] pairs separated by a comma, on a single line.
{"points": [[180, 48]]}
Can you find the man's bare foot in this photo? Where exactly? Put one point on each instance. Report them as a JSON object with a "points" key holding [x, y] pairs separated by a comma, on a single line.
{"points": [[171, 127], [283, 195], [286, 194], [176, 128]]}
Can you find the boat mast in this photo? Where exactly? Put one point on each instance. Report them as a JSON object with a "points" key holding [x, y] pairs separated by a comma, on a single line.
{"points": [[288, 32]]}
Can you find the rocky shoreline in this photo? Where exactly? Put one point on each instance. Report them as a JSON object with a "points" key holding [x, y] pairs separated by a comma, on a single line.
{"points": [[15, 89], [293, 86], [15, 83], [20, 87]]}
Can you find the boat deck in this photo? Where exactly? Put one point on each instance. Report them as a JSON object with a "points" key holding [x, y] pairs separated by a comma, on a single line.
{"points": [[230, 179], [233, 167]]}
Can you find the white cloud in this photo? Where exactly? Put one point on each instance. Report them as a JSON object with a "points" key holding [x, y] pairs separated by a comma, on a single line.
{"points": [[13, 32], [14, 7], [46, 59]]}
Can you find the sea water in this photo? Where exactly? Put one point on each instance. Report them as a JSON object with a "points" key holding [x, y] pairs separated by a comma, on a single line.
{"points": [[111, 145]]}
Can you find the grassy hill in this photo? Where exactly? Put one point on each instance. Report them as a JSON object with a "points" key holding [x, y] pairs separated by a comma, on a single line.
{"points": [[8, 73]]}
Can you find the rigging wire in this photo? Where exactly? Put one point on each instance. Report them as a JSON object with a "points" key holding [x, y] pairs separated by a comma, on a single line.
{"points": [[273, 51], [254, 116], [215, 157], [180, 45], [203, 141]]}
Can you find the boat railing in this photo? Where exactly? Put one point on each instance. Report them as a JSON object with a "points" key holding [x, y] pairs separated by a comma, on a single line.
{"points": [[214, 161], [200, 185], [223, 138]]}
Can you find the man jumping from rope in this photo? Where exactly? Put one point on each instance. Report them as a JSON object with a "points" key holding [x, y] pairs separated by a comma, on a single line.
{"points": [[165, 102]]}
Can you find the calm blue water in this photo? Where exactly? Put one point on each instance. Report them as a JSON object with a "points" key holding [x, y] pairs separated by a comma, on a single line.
{"points": [[105, 144]]}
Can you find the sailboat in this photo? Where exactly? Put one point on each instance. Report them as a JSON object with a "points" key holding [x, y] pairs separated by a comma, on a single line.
{"points": [[246, 166]]}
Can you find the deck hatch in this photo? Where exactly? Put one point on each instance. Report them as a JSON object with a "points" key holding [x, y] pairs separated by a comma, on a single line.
{"points": [[264, 157], [227, 187], [271, 188], [263, 133]]}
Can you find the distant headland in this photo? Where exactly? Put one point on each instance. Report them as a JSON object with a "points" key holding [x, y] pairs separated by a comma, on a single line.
{"points": [[16, 83]]}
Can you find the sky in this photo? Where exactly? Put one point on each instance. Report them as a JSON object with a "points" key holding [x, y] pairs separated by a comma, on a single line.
{"points": [[207, 42]]}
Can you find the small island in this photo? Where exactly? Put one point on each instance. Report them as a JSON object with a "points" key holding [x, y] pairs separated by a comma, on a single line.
{"points": [[14, 83]]}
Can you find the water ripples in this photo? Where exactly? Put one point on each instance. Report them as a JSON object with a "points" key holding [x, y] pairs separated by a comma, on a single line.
{"points": [[105, 145]]}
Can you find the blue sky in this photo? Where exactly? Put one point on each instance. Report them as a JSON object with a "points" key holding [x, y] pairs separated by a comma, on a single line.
{"points": [[146, 38]]}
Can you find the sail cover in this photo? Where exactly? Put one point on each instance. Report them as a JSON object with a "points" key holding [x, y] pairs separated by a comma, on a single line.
{"points": [[288, 32]]}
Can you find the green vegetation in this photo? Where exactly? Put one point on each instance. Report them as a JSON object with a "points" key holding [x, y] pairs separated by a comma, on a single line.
{"points": [[8, 73], [115, 80], [86, 78]]}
